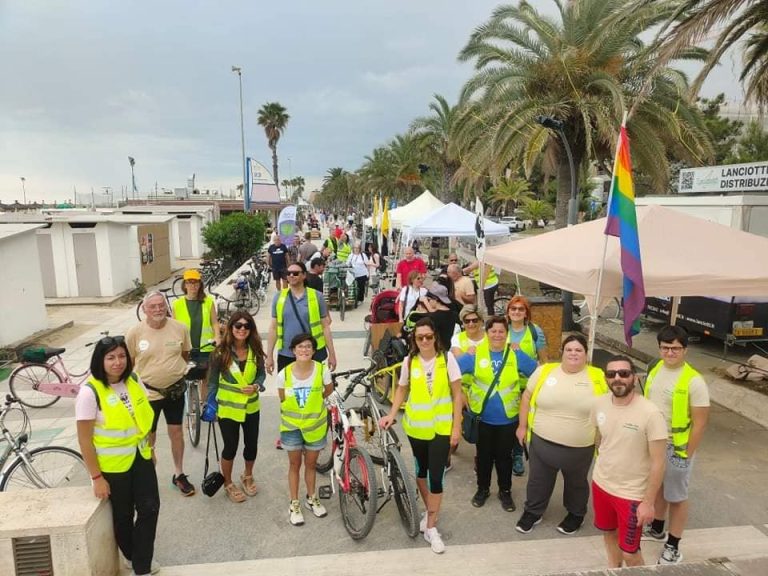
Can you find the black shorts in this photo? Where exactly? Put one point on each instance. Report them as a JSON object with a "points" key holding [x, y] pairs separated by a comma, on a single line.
{"points": [[173, 409], [278, 273]]}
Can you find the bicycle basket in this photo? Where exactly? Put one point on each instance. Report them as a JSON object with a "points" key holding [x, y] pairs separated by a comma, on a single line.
{"points": [[241, 284], [36, 355]]}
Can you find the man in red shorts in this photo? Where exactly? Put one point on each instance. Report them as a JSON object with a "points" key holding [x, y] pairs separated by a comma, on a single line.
{"points": [[632, 436]]}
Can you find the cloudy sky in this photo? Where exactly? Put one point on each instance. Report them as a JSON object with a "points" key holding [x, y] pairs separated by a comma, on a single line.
{"points": [[86, 84]]}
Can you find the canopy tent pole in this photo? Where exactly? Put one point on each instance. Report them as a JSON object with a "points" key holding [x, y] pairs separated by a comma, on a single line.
{"points": [[673, 310]]}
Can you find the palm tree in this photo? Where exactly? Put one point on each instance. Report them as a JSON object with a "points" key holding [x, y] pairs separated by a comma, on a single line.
{"points": [[586, 68], [273, 118], [535, 210], [509, 190], [743, 19]]}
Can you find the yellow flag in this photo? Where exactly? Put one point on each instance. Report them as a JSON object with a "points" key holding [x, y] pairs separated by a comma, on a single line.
{"points": [[385, 218]]}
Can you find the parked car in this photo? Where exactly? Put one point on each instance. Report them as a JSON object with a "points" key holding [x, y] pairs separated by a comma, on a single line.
{"points": [[514, 223]]}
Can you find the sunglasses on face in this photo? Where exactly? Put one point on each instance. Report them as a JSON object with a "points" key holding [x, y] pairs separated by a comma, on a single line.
{"points": [[516, 308], [624, 373], [425, 337], [471, 320], [241, 325], [294, 273]]}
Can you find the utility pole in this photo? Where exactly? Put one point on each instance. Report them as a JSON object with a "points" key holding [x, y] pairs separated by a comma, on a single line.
{"points": [[246, 193]]}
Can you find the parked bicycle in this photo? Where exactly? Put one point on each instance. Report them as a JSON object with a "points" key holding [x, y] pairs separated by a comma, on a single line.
{"points": [[192, 411], [213, 272], [225, 307], [350, 465], [42, 467], [43, 377]]}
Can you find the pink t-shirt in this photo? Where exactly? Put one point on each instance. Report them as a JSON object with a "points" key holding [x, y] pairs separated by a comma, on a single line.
{"points": [[86, 407], [454, 372]]}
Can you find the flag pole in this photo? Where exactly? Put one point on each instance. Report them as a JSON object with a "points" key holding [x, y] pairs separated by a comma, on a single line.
{"points": [[596, 303]]}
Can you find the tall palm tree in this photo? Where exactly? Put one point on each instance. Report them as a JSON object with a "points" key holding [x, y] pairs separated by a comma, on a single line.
{"points": [[585, 67], [743, 20], [508, 191], [273, 117]]}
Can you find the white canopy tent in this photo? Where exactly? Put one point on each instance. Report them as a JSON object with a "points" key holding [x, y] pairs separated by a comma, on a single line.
{"points": [[424, 204], [450, 220]]}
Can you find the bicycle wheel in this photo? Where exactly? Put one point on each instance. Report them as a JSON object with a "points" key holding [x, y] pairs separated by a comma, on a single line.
{"points": [[255, 304], [358, 503], [500, 305], [404, 490], [176, 287], [192, 410], [325, 458], [50, 467], [139, 311], [383, 382], [25, 381]]}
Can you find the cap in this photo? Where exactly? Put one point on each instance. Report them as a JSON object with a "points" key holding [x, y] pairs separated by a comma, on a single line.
{"points": [[192, 274], [439, 292]]}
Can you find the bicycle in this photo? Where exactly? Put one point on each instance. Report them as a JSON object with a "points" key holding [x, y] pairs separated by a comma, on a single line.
{"points": [[192, 412], [140, 311], [43, 378], [42, 467], [225, 307], [244, 294], [350, 465], [337, 279]]}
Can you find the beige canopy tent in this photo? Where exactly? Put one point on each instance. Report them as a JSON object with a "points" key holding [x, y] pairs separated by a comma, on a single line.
{"points": [[681, 255]]}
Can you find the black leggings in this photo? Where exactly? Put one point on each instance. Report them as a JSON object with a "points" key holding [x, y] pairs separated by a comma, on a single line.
{"points": [[431, 457], [230, 434], [361, 282], [494, 448]]}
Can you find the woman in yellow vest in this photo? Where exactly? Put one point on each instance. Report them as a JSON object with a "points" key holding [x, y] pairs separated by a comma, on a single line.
{"points": [[431, 380], [302, 387], [113, 420], [555, 422], [198, 313], [494, 394], [524, 335], [235, 375]]}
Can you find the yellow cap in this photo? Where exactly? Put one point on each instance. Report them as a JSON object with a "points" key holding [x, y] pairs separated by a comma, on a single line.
{"points": [[192, 275]]}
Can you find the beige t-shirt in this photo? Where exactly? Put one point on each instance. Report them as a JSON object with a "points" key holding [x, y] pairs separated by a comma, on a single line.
{"points": [[462, 288], [157, 355], [563, 407], [664, 386], [624, 462]]}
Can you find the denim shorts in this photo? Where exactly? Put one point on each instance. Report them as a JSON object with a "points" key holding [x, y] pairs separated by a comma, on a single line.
{"points": [[677, 475], [293, 440]]}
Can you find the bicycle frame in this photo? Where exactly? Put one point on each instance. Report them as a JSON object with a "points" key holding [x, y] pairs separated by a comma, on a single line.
{"points": [[346, 440], [68, 385]]}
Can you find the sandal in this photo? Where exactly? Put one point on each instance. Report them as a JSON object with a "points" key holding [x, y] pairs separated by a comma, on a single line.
{"points": [[249, 486], [234, 493]]}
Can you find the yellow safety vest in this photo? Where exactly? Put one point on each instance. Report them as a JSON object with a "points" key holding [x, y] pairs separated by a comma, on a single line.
{"points": [[343, 252], [528, 346], [464, 344], [599, 387], [235, 404], [312, 418], [507, 388], [181, 313], [428, 414], [315, 321], [680, 427], [118, 438], [491, 279]]}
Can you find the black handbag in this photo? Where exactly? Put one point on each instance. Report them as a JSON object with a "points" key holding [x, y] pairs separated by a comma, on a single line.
{"points": [[215, 480], [470, 422]]}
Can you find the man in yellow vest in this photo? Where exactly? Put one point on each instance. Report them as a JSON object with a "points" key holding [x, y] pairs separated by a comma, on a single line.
{"points": [[682, 396], [490, 283]]}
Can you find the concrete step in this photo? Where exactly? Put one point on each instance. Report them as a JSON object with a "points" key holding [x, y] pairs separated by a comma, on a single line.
{"points": [[730, 551]]}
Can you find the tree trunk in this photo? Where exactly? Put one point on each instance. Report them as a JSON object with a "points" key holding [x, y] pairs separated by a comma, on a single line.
{"points": [[274, 164], [564, 187]]}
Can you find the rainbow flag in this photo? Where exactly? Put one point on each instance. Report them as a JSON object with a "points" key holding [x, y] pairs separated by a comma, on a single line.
{"points": [[622, 222]]}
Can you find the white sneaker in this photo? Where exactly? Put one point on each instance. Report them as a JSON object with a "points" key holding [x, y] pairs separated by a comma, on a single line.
{"points": [[296, 517], [423, 523], [670, 555], [432, 536], [316, 506]]}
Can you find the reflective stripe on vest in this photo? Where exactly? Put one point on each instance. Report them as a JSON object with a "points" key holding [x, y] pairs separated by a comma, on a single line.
{"points": [[528, 346], [181, 313], [507, 388], [599, 387], [427, 415], [118, 438], [343, 252], [315, 321], [311, 419], [680, 427], [234, 404]]}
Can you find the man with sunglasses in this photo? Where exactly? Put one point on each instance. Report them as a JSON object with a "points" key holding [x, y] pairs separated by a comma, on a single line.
{"points": [[631, 439], [683, 398], [299, 310], [160, 347]]}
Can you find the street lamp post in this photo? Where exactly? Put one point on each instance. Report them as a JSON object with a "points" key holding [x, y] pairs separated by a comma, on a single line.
{"points": [[557, 125], [132, 162], [246, 196], [24, 191]]}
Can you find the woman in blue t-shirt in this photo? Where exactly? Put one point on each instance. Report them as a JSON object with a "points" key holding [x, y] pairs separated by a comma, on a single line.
{"points": [[495, 395]]}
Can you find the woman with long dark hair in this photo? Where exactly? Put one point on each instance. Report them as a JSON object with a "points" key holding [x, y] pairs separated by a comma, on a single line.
{"points": [[235, 376], [114, 419], [431, 380]]}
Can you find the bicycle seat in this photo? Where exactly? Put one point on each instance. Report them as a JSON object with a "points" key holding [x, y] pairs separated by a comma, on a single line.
{"points": [[245, 272], [51, 352], [165, 290]]}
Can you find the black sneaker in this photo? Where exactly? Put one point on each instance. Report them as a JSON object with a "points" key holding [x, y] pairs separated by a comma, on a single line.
{"points": [[570, 524], [183, 485], [480, 497], [506, 500], [527, 522]]}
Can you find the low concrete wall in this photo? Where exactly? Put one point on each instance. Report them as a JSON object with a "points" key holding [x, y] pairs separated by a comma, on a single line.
{"points": [[79, 526]]}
